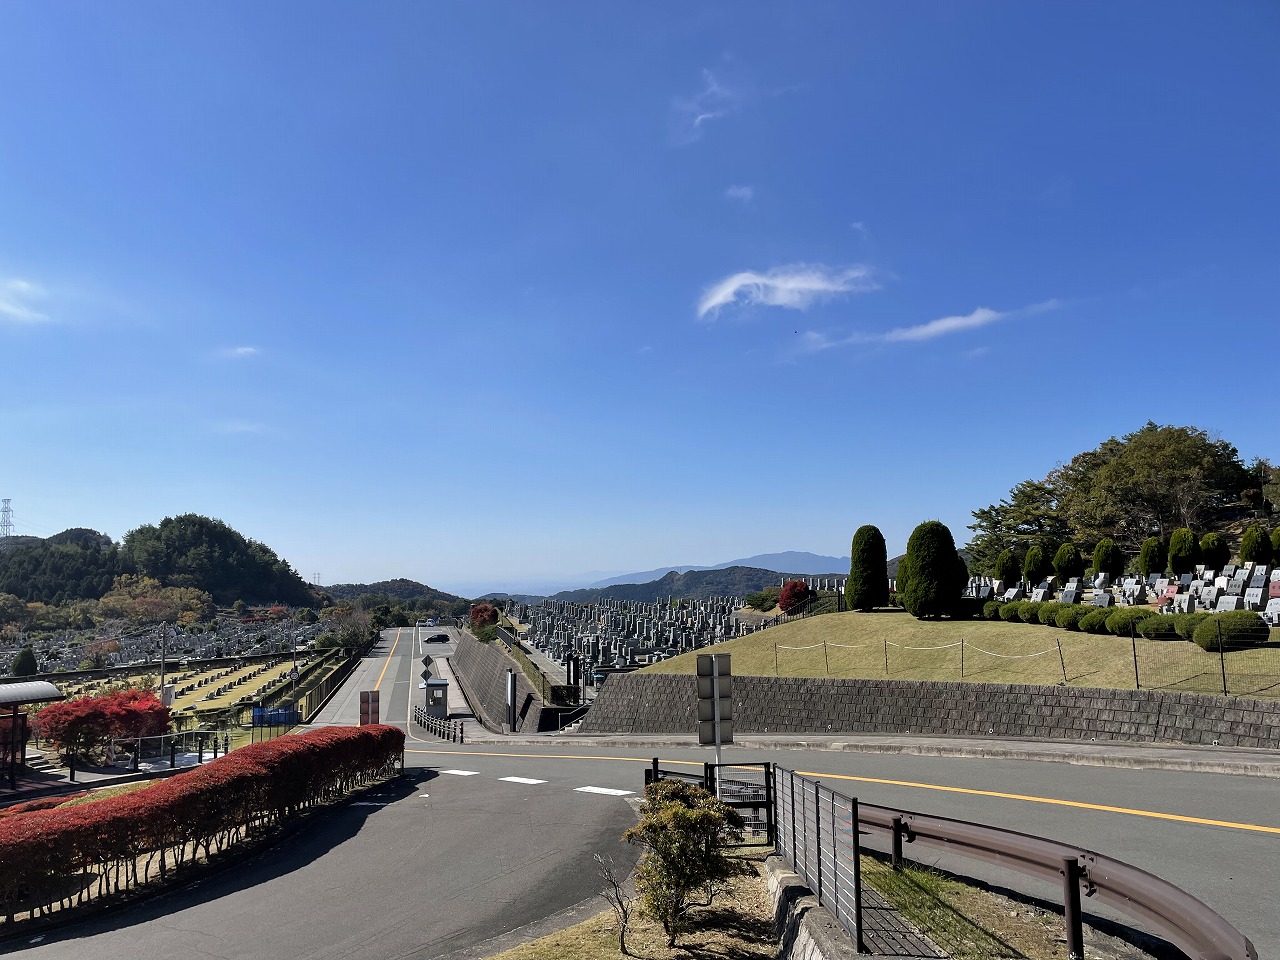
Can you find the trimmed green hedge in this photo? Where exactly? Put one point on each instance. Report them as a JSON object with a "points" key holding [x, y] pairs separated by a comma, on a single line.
{"points": [[1069, 616], [1011, 612], [1048, 611], [1237, 628], [1122, 619], [1029, 611], [991, 609], [1160, 627], [1095, 621]]}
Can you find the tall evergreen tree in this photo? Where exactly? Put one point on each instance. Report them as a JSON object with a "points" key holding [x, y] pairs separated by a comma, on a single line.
{"points": [[1153, 557], [1067, 563], [1215, 552], [1007, 568], [1107, 558], [1255, 545], [1037, 564], [933, 588], [24, 664], [1184, 551], [868, 583]]}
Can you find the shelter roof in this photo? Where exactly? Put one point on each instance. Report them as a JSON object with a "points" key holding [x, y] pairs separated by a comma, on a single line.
{"points": [[29, 691]]}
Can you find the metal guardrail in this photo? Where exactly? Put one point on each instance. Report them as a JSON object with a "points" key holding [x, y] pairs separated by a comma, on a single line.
{"points": [[444, 729], [817, 837]]}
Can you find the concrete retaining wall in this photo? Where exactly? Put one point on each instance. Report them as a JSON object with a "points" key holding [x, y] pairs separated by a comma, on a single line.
{"points": [[664, 703], [482, 668]]}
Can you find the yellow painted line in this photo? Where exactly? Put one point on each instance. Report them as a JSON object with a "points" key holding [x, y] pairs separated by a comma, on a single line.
{"points": [[391, 654], [1079, 804], [1025, 798]]}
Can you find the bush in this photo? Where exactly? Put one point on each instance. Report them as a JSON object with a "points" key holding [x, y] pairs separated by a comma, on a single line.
{"points": [[1011, 612], [1237, 628], [1275, 543], [934, 582], [1255, 545], [1037, 565], [1215, 552], [1184, 624], [1067, 563], [794, 595], [765, 600], [1049, 612], [1095, 621], [24, 664], [1008, 570], [1184, 552], [1069, 616], [868, 583], [1029, 611], [1107, 558], [1123, 621], [991, 610], [1153, 556], [483, 615], [1159, 627]]}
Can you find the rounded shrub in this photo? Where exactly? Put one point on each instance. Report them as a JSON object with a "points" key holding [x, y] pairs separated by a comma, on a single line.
{"points": [[1158, 627], [1049, 612], [1029, 611], [1107, 558], [1067, 563], [1124, 620], [868, 584], [933, 587], [1184, 552], [1255, 545], [1010, 612], [1237, 628], [1153, 556], [1215, 552], [991, 609], [1069, 616], [1184, 624], [1008, 569], [1095, 621]]}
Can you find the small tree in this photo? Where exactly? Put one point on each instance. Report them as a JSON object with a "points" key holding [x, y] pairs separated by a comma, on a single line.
{"points": [[1107, 558], [24, 664], [1215, 552], [483, 614], [765, 600], [1153, 556], [1275, 543], [1037, 565], [686, 831], [1184, 551], [868, 583], [1255, 545], [795, 594], [616, 896], [1008, 570], [1067, 563], [933, 588]]}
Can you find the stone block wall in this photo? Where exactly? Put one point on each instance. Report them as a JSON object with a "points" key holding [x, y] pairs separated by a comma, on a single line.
{"points": [[663, 703], [482, 668]]}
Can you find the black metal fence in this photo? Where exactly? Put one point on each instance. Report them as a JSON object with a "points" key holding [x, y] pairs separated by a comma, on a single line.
{"points": [[819, 834]]}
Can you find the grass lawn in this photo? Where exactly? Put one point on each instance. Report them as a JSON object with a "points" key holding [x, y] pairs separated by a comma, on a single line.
{"points": [[898, 646]]}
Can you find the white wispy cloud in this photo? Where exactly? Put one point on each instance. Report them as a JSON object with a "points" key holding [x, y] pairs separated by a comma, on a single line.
{"points": [[814, 342], [238, 353], [796, 286], [17, 301], [743, 193], [238, 426], [690, 115]]}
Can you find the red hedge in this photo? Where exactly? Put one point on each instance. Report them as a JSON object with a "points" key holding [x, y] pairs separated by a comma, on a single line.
{"points": [[48, 856]]}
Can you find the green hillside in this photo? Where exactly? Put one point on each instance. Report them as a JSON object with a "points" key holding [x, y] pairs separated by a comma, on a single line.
{"points": [[859, 644]]}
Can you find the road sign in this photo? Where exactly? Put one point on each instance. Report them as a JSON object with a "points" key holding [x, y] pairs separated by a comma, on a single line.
{"points": [[715, 700], [368, 707]]}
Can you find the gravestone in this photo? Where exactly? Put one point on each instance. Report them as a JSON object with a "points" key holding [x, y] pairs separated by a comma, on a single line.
{"points": [[1185, 580], [985, 593], [1199, 569], [1070, 596], [1014, 593], [1273, 588], [1253, 598], [1160, 585], [1227, 603], [1103, 599], [1272, 613], [1229, 570], [1040, 596]]}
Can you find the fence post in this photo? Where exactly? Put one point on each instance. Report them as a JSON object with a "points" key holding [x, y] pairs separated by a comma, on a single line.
{"points": [[1071, 908], [886, 657], [962, 658], [137, 753], [817, 833], [173, 754], [1133, 642], [200, 750], [795, 861], [1062, 660], [896, 849], [1222, 658], [71, 767], [856, 841]]}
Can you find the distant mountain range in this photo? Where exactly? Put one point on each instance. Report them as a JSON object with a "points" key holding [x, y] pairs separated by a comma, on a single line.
{"points": [[691, 585], [789, 561]]}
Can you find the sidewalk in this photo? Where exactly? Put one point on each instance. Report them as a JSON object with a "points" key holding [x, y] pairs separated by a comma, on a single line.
{"points": [[35, 784]]}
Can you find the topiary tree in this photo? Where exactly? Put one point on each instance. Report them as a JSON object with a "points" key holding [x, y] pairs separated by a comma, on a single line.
{"points": [[1275, 543], [1008, 569], [1107, 558], [933, 588], [1067, 563], [868, 583], [1255, 545], [685, 831], [1215, 552], [795, 594], [1036, 565], [1153, 556], [24, 664], [1184, 552]]}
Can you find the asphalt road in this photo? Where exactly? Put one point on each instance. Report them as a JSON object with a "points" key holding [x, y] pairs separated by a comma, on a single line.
{"points": [[432, 876]]}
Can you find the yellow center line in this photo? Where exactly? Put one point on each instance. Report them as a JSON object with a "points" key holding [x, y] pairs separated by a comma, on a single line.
{"points": [[1025, 798], [391, 654]]}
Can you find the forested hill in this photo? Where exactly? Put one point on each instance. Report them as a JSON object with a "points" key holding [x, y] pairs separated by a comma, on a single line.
{"points": [[395, 591], [694, 585], [186, 551]]}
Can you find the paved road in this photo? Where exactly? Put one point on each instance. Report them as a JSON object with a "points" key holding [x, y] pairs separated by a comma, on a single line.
{"points": [[426, 877]]}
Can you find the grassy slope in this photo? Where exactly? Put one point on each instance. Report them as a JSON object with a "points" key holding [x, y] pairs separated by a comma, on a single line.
{"points": [[855, 646]]}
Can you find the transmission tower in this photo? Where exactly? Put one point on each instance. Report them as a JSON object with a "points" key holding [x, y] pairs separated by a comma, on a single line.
{"points": [[6, 523]]}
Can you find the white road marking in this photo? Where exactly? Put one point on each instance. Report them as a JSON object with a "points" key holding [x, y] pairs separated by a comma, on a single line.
{"points": [[604, 790], [520, 780], [461, 773], [423, 796]]}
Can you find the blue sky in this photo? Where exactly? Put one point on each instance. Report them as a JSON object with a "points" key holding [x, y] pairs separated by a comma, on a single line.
{"points": [[496, 295]]}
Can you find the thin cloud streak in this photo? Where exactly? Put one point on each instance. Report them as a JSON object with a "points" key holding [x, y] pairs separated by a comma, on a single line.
{"points": [[690, 115], [743, 193], [796, 287], [814, 342], [16, 296], [237, 353]]}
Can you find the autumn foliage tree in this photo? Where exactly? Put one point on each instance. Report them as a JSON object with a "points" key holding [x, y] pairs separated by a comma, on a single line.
{"points": [[81, 726], [795, 594], [483, 614]]}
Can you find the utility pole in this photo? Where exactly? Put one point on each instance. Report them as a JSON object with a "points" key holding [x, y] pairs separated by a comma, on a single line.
{"points": [[6, 524]]}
